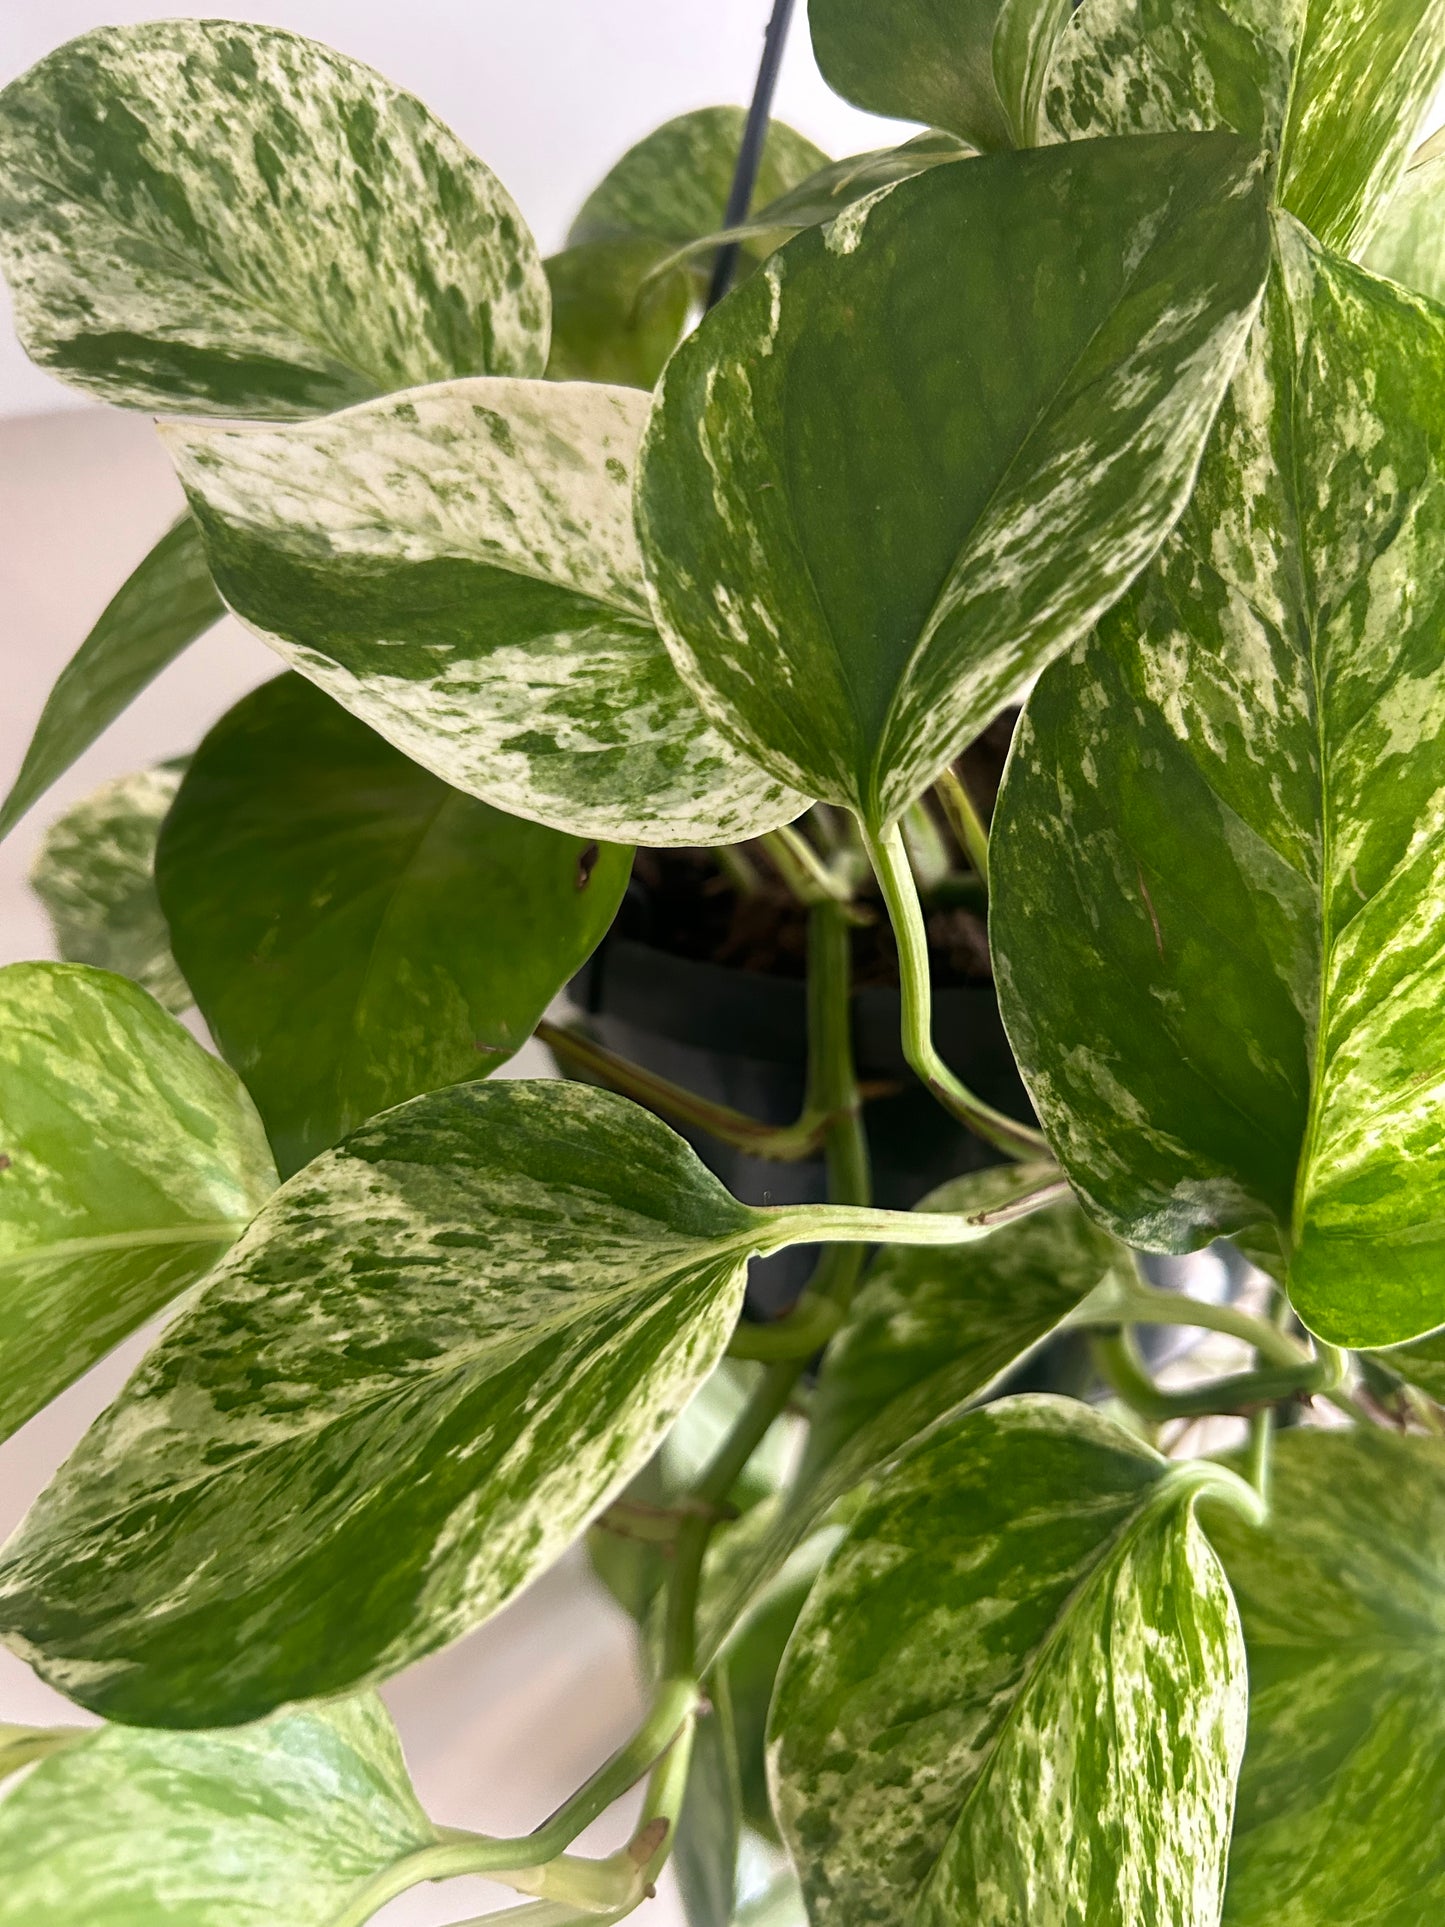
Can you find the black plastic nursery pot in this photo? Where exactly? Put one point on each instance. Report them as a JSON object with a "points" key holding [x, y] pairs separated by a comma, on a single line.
{"points": [[739, 1037]]}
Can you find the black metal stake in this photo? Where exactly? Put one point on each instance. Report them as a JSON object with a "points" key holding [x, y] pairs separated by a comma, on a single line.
{"points": [[750, 153]]}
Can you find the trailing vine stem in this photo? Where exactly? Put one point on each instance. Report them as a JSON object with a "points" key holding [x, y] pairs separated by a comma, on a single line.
{"points": [[895, 877], [832, 1085]]}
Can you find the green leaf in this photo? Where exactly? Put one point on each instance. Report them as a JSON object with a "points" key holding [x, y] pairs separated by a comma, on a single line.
{"points": [[1018, 1689], [1337, 88], [814, 519], [458, 567], [128, 1828], [977, 67], [158, 612], [439, 1351], [673, 185], [356, 932], [1409, 243], [612, 321], [1216, 861], [932, 1329], [1421, 1364], [709, 1827], [129, 1160], [95, 874], [1343, 1604], [215, 218]]}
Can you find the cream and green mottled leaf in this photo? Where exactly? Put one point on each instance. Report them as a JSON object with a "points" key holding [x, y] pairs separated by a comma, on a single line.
{"points": [[918, 453], [289, 1819], [355, 931], [1018, 1691], [1409, 243], [457, 566], [1216, 874], [1343, 1603], [976, 67], [210, 217], [95, 874], [1336, 88], [931, 1330], [673, 184], [436, 1354], [157, 613], [129, 1160]]}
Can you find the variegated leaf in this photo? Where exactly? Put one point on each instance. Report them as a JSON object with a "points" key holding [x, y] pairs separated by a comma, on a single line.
{"points": [[1018, 1690], [976, 67], [355, 931], [287, 1820], [852, 574], [673, 185], [931, 1330], [219, 218], [1421, 1364], [439, 1350], [129, 1160], [159, 611], [457, 566], [1336, 88], [1343, 1604], [1216, 877], [1409, 243], [95, 874]]}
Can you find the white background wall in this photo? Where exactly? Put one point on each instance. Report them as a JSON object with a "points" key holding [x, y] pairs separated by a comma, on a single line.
{"points": [[548, 92]]}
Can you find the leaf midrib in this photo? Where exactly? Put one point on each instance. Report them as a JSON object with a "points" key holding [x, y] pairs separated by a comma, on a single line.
{"points": [[206, 1231]]}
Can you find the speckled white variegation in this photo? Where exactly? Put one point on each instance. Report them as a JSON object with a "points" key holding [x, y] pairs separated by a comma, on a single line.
{"points": [[1017, 1693], [458, 567], [211, 217]]}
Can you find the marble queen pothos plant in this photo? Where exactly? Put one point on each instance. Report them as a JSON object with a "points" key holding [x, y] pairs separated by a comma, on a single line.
{"points": [[1125, 386]]}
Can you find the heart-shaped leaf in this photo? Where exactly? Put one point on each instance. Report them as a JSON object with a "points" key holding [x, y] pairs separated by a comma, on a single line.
{"points": [[1337, 88], [1018, 1690], [1343, 1604], [1216, 861], [217, 218], [920, 451], [129, 1160], [356, 932], [458, 567], [673, 184], [127, 1828], [976, 67], [1409, 243], [95, 874], [156, 614]]}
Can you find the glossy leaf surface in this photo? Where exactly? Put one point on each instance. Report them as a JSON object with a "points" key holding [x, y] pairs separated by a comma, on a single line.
{"points": [[1343, 1603], [95, 874], [1409, 243], [440, 1349], [1018, 1685], [1336, 88], [976, 67], [129, 1828], [854, 576], [355, 931], [160, 610], [129, 1160], [1216, 879], [673, 184], [208, 217], [458, 567]]}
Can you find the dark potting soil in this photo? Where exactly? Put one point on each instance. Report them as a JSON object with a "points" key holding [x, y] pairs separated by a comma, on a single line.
{"points": [[680, 902]]}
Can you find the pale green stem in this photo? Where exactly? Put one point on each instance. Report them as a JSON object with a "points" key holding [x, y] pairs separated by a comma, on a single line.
{"points": [[792, 1224], [927, 852], [1124, 1300], [802, 869], [900, 894], [964, 820], [739, 869]]}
